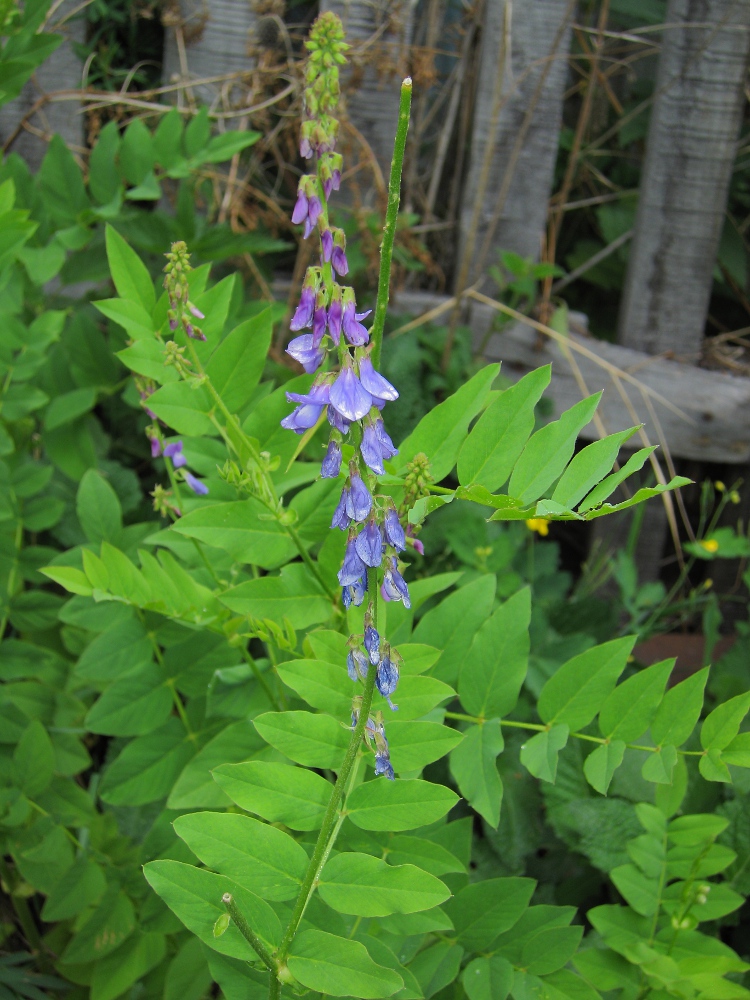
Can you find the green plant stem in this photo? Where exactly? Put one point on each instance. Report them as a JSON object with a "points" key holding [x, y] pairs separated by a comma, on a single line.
{"points": [[261, 680], [274, 991], [247, 932], [391, 219], [325, 840]]}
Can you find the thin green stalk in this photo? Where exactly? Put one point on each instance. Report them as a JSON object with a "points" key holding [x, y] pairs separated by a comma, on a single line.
{"points": [[261, 680], [324, 843], [275, 990], [248, 933], [391, 219]]}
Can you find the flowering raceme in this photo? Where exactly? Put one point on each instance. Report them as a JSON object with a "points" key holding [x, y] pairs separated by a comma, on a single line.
{"points": [[347, 389]]}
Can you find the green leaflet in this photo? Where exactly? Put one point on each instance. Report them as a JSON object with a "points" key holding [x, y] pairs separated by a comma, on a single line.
{"points": [[436, 967], [244, 529], [82, 885], [473, 765], [111, 923], [129, 273], [148, 766], [339, 967], [34, 760], [576, 692], [441, 433], [404, 849], [188, 976], [629, 710], [133, 706], [451, 626], [413, 745], [277, 792], [600, 766], [294, 594], [415, 697], [485, 909], [195, 787], [722, 725], [122, 648], [548, 452], [608, 486], [194, 896], [235, 367], [539, 754], [322, 685], [495, 442], [306, 738], [495, 666], [366, 886], [588, 467], [259, 857], [116, 973], [98, 509], [680, 710], [488, 978], [184, 408], [398, 805]]}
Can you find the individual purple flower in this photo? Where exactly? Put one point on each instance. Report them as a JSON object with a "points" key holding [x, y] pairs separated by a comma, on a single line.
{"points": [[319, 322], [303, 315], [326, 244], [174, 451], [302, 418], [370, 449], [369, 544], [372, 644], [387, 448], [339, 261], [155, 445], [358, 590], [356, 664], [352, 567], [355, 333], [332, 462], [337, 421], [395, 585], [386, 679], [340, 517], [173, 323], [349, 397], [394, 532], [314, 208], [335, 315], [374, 382], [303, 350], [358, 501], [383, 765], [418, 546], [195, 484], [299, 214], [195, 311], [317, 396]]}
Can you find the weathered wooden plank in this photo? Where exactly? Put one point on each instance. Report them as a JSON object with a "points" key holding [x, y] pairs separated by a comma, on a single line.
{"points": [[521, 169], [377, 70], [216, 35], [716, 405], [62, 71], [689, 156]]}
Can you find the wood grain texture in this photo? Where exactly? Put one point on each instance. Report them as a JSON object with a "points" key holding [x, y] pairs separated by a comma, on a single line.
{"points": [[534, 27], [689, 156], [221, 46], [378, 69], [61, 71], [717, 405]]}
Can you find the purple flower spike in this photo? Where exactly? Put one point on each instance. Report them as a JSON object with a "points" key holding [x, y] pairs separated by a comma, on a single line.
{"points": [[370, 449], [374, 382], [326, 242], [356, 664], [352, 568], [387, 448], [304, 313], [337, 421], [372, 644], [355, 333], [349, 397], [174, 451], [394, 533], [196, 485], [340, 517], [332, 462], [359, 501], [369, 544], [301, 205], [339, 261], [303, 350]]}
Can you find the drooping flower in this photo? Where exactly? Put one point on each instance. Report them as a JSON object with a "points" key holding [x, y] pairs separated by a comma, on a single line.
{"points": [[340, 517], [370, 449], [300, 206], [335, 315], [319, 321], [356, 664], [174, 451], [374, 382], [352, 567], [387, 677], [303, 350], [372, 643], [195, 484], [387, 448], [314, 208], [303, 314], [369, 544], [359, 501], [383, 765], [326, 245], [339, 261], [355, 333], [358, 590], [395, 585], [348, 396], [155, 445], [302, 418], [332, 462], [394, 532]]}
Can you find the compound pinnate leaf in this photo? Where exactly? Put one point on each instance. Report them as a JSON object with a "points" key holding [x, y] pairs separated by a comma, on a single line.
{"points": [[398, 805], [483, 910], [452, 625], [339, 967], [136, 705], [306, 738], [577, 691], [129, 273], [368, 887], [588, 467], [277, 792], [257, 856], [235, 367], [194, 896]]}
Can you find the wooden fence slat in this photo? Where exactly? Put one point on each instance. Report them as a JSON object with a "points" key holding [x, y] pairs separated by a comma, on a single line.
{"points": [[690, 152], [533, 86], [61, 71]]}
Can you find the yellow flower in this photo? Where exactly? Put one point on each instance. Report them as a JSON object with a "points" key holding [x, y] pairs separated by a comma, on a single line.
{"points": [[538, 524], [719, 486], [709, 544]]}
